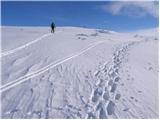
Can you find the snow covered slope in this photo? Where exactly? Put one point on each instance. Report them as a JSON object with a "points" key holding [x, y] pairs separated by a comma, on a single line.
{"points": [[78, 73]]}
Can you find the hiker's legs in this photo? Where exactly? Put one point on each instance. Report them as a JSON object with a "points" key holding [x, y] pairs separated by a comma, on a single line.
{"points": [[52, 30]]}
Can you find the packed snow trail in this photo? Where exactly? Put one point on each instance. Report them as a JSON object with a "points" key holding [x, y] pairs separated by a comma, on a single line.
{"points": [[103, 98], [42, 70], [3, 54]]}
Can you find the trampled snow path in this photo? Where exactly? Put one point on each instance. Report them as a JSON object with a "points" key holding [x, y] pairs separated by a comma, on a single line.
{"points": [[102, 100], [48, 67], [24, 46]]}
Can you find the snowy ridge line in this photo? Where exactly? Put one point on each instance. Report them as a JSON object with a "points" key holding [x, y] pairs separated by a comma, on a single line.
{"points": [[24, 46], [46, 68]]}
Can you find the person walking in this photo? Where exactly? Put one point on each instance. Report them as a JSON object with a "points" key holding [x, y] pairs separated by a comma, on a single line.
{"points": [[52, 27]]}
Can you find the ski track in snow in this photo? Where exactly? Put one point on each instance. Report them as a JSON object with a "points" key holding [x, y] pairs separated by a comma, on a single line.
{"points": [[44, 69], [3, 54]]}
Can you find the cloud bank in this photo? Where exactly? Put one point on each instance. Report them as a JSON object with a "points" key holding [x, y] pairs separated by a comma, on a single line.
{"points": [[133, 9]]}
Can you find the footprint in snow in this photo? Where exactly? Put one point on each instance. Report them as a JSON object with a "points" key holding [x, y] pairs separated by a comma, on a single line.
{"points": [[117, 79], [106, 96], [111, 108], [102, 114], [114, 87], [117, 97], [97, 93], [126, 109], [132, 97], [139, 91]]}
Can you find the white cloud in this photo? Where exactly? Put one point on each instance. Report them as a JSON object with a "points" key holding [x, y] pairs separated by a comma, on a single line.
{"points": [[134, 9]]}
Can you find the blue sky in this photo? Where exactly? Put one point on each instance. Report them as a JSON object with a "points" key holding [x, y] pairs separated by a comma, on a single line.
{"points": [[118, 16]]}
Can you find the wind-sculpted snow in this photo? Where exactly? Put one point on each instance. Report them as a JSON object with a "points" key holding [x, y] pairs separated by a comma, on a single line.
{"points": [[42, 70], [81, 73]]}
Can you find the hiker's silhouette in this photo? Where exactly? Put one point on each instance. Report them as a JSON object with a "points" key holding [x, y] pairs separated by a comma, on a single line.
{"points": [[52, 27]]}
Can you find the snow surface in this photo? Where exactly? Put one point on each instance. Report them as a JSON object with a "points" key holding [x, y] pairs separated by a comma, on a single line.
{"points": [[79, 73]]}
